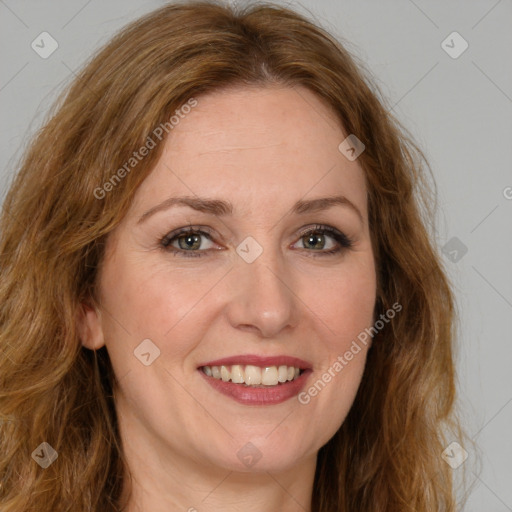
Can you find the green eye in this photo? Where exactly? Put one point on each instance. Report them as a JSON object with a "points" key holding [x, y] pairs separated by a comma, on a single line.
{"points": [[317, 237], [186, 242], [189, 241], [313, 240]]}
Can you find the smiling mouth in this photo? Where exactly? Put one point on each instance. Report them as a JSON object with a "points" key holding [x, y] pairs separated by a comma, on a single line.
{"points": [[253, 376]]}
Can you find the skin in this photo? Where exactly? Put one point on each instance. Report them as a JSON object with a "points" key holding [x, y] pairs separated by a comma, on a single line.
{"points": [[262, 149]]}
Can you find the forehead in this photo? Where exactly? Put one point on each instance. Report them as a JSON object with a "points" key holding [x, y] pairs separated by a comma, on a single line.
{"points": [[256, 145]]}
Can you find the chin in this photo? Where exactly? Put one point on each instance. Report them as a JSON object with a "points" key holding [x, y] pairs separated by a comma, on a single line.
{"points": [[260, 455]]}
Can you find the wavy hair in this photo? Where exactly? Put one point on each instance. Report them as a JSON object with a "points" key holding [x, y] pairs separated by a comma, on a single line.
{"points": [[386, 456]]}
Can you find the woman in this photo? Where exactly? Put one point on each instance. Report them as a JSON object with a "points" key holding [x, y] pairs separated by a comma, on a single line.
{"points": [[217, 287]]}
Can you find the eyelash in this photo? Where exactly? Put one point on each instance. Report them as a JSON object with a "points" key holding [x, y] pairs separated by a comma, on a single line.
{"points": [[344, 242]]}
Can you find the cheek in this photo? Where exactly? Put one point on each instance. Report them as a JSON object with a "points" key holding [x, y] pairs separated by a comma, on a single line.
{"points": [[153, 301], [344, 310], [344, 302], [346, 306], [152, 298]]}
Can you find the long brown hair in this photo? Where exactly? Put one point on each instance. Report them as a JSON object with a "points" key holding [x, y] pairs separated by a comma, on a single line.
{"points": [[386, 456]]}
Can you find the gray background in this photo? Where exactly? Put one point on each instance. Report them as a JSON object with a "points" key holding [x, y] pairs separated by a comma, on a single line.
{"points": [[459, 110]]}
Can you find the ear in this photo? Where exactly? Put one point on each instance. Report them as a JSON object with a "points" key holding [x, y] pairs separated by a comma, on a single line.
{"points": [[89, 327]]}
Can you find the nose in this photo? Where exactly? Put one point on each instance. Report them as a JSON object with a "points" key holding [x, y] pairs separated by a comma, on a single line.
{"points": [[262, 298]]}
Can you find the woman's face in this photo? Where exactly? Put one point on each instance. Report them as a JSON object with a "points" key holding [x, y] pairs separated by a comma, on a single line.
{"points": [[264, 273]]}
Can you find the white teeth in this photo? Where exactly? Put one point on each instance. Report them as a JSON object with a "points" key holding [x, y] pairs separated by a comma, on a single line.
{"points": [[282, 375], [237, 374], [224, 374], [251, 375], [269, 376]]}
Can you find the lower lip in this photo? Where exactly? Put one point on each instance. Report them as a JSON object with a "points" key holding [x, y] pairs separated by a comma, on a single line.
{"points": [[247, 395]]}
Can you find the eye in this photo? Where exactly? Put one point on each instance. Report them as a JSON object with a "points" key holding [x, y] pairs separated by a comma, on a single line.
{"points": [[195, 242], [324, 240], [188, 242]]}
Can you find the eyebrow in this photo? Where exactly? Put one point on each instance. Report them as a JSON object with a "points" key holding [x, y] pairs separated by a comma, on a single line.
{"points": [[222, 208]]}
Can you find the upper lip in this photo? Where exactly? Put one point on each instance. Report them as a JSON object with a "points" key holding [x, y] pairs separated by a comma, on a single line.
{"points": [[262, 361]]}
